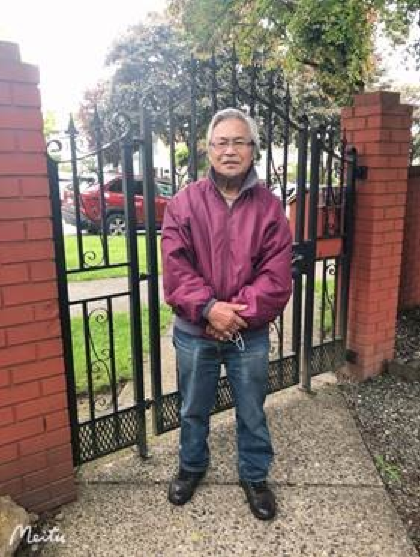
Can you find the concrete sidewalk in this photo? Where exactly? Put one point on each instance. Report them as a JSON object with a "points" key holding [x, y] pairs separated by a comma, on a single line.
{"points": [[331, 501]]}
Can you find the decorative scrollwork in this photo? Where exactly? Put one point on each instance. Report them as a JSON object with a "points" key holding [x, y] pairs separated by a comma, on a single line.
{"points": [[91, 259], [100, 358], [122, 124], [331, 270], [54, 146]]}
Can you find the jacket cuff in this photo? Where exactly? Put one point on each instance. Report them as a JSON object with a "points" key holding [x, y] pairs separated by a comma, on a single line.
{"points": [[207, 307]]}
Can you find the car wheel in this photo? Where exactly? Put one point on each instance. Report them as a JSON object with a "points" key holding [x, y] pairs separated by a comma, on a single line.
{"points": [[115, 224]]}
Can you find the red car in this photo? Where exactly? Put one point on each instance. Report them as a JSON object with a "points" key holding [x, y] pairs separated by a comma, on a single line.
{"points": [[90, 205]]}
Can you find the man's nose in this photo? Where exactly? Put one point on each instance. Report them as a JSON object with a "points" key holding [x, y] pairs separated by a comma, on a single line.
{"points": [[230, 149]]}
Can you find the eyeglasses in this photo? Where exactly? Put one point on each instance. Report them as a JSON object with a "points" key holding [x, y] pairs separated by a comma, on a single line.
{"points": [[236, 144]]}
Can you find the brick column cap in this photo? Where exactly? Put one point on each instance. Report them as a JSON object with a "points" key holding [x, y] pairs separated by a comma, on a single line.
{"points": [[9, 51], [384, 98]]}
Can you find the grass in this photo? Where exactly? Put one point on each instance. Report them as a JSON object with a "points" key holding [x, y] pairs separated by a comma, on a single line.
{"points": [[389, 471], [93, 253], [99, 340], [318, 304]]}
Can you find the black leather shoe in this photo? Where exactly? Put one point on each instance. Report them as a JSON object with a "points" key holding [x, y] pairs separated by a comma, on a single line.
{"points": [[260, 498], [182, 487]]}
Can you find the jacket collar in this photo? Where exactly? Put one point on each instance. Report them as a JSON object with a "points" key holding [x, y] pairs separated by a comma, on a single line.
{"points": [[251, 179]]}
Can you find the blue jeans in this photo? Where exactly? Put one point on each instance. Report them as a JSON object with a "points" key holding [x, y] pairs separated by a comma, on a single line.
{"points": [[199, 361]]}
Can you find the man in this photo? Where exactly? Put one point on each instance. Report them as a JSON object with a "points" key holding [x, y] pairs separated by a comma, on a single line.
{"points": [[226, 251]]}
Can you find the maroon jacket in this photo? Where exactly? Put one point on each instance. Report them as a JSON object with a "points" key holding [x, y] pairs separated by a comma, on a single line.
{"points": [[212, 252]]}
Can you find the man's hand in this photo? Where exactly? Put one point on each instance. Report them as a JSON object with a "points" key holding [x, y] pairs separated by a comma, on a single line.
{"points": [[224, 319], [211, 331]]}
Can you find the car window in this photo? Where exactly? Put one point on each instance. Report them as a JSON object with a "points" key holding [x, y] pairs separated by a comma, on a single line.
{"points": [[163, 189]]}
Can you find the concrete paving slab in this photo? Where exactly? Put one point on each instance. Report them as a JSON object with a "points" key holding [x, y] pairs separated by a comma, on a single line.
{"points": [[315, 439], [331, 502], [136, 520]]}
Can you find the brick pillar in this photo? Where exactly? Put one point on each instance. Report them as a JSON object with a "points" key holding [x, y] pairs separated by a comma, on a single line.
{"points": [[379, 127], [409, 295], [35, 453]]}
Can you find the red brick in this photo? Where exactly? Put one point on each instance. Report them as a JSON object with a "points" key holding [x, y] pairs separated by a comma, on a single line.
{"points": [[400, 135], [57, 420], [21, 430], [15, 394], [385, 99], [5, 93], [13, 274], [60, 454], [381, 149], [23, 466], [6, 416], [36, 292], [368, 136], [42, 406], [8, 453], [355, 124], [48, 440], [4, 378], [394, 213], [46, 310], [13, 487], [26, 95], [14, 71], [27, 250], [37, 370], [7, 141], [17, 354], [22, 164], [62, 487], [11, 231], [35, 186], [9, 187], [48, 475], [30, 141], [55, 384], [387, 121], [33, 499], [56, 502], [384, 174], [43, 271], [16, 315], [2, 338], [25, 208], [33, 332], [49, 348], [39, 229]]}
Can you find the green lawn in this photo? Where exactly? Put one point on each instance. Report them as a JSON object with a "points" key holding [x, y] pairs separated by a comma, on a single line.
{"points": [[100, 344], [318, 305], [93, 255]]}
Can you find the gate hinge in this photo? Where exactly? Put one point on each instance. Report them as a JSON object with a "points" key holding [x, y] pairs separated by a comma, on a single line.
{"points": [[361, 172]]}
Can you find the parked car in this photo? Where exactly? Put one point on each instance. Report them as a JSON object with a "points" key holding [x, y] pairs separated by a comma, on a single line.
{"points": [[90, 205]]}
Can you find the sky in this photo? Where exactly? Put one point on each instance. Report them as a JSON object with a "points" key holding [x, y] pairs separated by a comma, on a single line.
{"points": [[69, 41]]}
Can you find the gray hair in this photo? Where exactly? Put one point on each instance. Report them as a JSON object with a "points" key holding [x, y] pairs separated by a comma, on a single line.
{"points": [[235, 114]]}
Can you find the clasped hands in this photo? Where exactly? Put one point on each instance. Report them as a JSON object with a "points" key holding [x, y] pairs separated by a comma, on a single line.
{"points": [[224, 320]]}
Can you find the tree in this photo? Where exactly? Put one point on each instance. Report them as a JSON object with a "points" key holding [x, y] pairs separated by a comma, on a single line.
{"points": [[331, 42], [50, 124]]}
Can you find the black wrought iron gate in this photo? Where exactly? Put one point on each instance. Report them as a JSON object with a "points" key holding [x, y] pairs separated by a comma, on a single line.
{"points": [[105, 342]]}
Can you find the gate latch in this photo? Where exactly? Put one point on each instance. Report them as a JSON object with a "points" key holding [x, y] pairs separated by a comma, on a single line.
{"points": [[303, 254]]}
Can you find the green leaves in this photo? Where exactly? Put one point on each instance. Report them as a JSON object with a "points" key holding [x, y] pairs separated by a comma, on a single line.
{"points": [[329, 42]]}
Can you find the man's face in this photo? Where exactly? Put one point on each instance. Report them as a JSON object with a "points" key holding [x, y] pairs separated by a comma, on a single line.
{"points": [[231, 150]]}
